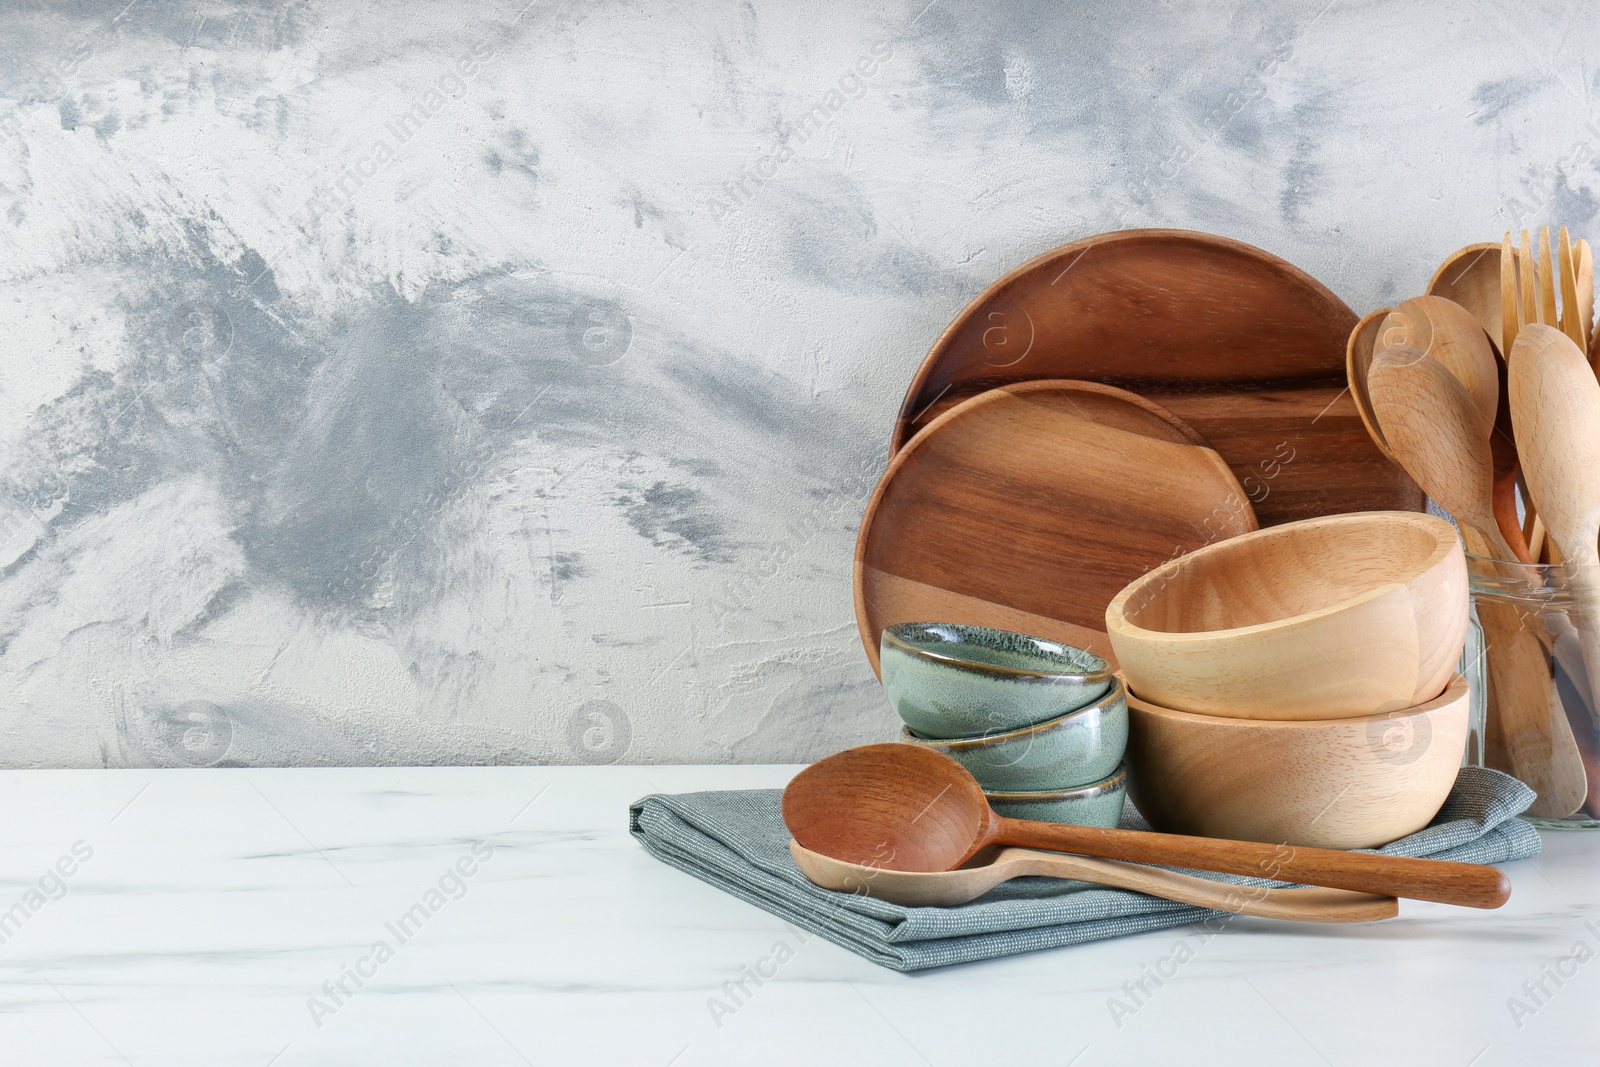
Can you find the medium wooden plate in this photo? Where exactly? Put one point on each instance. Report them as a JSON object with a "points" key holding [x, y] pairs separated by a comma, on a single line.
{"points": [[1246, 347], [1028, 508]]}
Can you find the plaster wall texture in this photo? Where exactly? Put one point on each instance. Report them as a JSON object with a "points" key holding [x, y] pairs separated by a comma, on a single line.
{"points": [[480, 383]]}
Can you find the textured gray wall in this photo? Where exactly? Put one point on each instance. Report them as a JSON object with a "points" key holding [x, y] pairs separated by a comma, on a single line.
{"points": [[485, 383]]}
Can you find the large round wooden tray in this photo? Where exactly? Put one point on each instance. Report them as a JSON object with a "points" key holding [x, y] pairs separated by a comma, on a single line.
{"points": [[1245, 347]]}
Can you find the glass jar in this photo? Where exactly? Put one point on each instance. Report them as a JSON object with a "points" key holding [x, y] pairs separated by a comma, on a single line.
{"points": [[1532, 660]]}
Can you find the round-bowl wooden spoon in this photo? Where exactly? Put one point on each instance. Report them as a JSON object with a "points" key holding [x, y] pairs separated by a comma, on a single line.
{"points": [[946, 889], [1555, 406], [1452, 335], [1440, 435], [1448, 333], [909, 809], [1471, 278]]}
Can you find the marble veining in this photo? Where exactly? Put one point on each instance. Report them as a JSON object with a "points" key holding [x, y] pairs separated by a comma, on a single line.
{"points": [[235, 916]]}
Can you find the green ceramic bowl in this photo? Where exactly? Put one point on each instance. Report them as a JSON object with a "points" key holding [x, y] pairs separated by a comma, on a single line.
{"points": [[1081, 746], [952, 680], [1099, 804]]}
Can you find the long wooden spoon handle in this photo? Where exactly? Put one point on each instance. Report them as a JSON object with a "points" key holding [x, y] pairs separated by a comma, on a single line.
{"points": [[1538, 741], [1503, 501], [1535, 742], [1469, 884], [1304, 905]]}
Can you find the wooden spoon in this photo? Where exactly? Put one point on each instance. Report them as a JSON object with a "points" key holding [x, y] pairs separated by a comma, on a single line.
{"points": [[911, 809], [1442, 440], [1555, 406], [1471, 278], [946, 889], [1440, 436], [1451, 335]]}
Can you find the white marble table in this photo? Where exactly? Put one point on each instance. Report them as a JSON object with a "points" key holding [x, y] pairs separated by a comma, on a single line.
{"points": [[204, 910]]}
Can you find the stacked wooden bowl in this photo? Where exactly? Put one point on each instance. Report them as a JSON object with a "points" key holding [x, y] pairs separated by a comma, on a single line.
{"points": [[1298, 684]]}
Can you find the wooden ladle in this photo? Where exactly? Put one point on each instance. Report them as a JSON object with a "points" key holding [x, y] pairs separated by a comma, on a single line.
{"points": [[905, 808], [946, 889]]}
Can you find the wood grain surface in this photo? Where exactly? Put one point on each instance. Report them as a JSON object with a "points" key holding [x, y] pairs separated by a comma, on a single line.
{"points": [[1331, 783], [912, 809], [1470, 276], [1029, 508], [944, 889], [1334, 617], [1246, 348]]}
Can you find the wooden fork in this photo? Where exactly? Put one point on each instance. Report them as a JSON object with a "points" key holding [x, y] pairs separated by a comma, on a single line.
{"points": [[1583, 264], [1529, 285]]}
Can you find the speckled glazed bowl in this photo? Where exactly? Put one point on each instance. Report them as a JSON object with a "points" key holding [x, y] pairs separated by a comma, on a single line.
{"points": [[952, 680], [1082, 746], [1099, 804]]}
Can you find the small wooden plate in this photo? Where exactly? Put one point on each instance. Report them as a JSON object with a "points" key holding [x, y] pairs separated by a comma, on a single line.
{"points": [[1028, 508], [1246, 347]]}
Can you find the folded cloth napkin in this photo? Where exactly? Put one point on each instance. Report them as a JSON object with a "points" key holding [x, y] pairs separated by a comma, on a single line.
{"points": [[736, 840]]}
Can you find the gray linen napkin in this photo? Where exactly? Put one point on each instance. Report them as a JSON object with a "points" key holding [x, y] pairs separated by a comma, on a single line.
{"points": [[736, 840]]}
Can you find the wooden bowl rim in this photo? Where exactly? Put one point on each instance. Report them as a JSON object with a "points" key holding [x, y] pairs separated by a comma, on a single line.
{"points": [[1446, 542], [1455, 693]]}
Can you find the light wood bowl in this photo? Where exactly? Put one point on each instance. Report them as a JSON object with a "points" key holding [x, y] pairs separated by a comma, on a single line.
{"points": [[1329, 783], [1332, 617]]}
